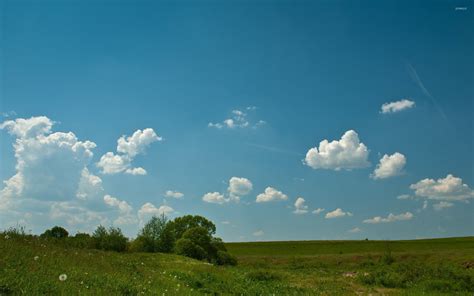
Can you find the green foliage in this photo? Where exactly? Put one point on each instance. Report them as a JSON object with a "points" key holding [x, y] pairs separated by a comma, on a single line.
{"points": [[55, 232], [224, 258], [188, 248], [15, 232], [155, 236], [180, 224], [109, 240]]}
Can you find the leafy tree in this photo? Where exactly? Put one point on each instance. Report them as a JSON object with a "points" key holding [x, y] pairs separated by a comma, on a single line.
{"points": [[155, 236], [110, 240], [55, 232], [181, 224]]}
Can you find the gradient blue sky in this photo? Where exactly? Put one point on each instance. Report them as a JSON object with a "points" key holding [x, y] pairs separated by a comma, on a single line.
{"points": [[312, 69]]}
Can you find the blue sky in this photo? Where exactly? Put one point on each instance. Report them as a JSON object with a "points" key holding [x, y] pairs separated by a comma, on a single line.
{"points": [[299, 72]]}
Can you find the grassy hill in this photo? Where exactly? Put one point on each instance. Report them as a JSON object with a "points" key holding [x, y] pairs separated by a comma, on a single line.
{"points": [[32, 266]]}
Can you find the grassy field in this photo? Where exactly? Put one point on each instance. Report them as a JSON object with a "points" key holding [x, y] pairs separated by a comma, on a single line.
{"points": [[29, 266]]}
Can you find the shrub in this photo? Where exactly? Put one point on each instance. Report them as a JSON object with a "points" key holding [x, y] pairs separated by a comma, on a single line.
{"points": [[224, 258], [186, 247], [109, 240], [55, 232]]}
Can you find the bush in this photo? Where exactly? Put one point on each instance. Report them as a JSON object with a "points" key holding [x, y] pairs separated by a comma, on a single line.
{"points": [[186, 247], [224, 258], [55, 232], [109, 240]]}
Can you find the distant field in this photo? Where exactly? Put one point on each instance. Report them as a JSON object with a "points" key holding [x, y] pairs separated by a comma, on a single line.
{"points": [[312, 248], [31, 266]]}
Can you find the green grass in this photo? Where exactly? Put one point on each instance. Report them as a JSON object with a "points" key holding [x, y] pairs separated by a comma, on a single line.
{"points": [[421, 267]]}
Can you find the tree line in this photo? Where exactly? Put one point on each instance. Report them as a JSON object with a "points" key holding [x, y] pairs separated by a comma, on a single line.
{"points": [[190, 235]]}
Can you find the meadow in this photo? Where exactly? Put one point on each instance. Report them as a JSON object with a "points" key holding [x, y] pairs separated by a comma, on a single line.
{"points": [[33, 266]]}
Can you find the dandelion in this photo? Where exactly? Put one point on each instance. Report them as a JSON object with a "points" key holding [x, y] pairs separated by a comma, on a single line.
{"points": [[36, 258], [7, 236], [63, 277]]}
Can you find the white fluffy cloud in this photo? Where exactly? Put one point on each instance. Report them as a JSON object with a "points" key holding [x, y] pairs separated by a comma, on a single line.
{"points": [[442, 205], [300, 207], [214, 197], [174, 194], [127, 149], [113, 164], [347, 153], [448, 189], [390, 218], [390, 166], [149, 210], [397, 106], [239, 187], [318, 211], [337, 213], [271, 194], [258, 233], [137, 143], [52, 183], [125, 210]]}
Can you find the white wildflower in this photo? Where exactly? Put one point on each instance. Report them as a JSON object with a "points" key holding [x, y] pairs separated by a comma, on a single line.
{"points": [[63, 277]]}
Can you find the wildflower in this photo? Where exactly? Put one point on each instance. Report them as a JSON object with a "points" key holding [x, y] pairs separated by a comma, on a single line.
{"points": [[63, 277], [36, 258], [7, 236]]}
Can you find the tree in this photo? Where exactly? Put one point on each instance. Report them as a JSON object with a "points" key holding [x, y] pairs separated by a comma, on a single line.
{"points": [[181, 224], [155, 236], [109, 240], [55, 232]]}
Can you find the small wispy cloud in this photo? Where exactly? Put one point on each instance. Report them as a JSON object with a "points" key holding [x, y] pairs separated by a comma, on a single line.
{"points": [[238, 119], [416, 78]]}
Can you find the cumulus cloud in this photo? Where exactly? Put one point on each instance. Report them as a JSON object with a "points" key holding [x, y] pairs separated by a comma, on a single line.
{"points": [[52, 183], [125, 210], [239, 187], [271, 194], [174, 194], [347, 153], [318, 211], [390, 166], [446, 189], [214, 197], [137, 143], [390, 218], [337, 213], [397, 106], [127, 149], [442, 205], [300, 207], [149, 210], [238, 119], [258, 233]]}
